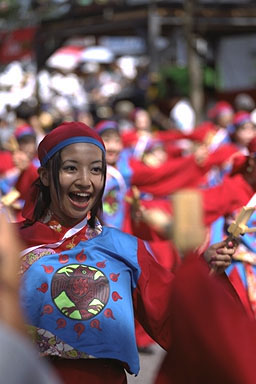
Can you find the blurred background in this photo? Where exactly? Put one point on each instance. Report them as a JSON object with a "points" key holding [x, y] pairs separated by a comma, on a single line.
{"points": [[152, 50], [94, 60]]}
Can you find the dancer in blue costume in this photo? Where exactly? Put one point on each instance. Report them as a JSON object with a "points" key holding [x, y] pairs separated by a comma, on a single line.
{"points": [[83, 284], [118, 174]]}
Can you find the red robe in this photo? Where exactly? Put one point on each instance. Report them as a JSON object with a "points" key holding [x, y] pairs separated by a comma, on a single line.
{"points": [[6, 162], [221, 155], [201, 132], [164, 250], [130, 138], [174, 174], [26, 179], [213, 341], [233, 193], [162, 181]]}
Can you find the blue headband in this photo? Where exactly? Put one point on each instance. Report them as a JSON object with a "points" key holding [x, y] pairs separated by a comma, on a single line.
{"points": [[71, 140]]}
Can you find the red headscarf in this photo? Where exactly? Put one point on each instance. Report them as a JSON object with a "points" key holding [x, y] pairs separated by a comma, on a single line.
{"points": [[24, 130], [221, 107], [65, 134], [105, 125], [240, 118]]}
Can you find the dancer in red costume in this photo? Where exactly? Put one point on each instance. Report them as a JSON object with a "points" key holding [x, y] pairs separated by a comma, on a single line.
{"points": [[83, 282], [19, 167], [217, 343]]}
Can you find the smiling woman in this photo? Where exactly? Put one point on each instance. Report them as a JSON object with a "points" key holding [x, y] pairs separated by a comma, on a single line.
{"points": [[83, 283], [80, 278], [72, 173], [81, 180]]}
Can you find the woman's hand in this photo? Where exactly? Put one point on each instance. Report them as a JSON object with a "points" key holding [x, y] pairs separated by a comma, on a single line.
{"points": [[219, 255]]}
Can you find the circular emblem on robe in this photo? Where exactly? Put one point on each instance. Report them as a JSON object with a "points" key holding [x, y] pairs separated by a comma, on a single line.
{"points": [[80, 292]]}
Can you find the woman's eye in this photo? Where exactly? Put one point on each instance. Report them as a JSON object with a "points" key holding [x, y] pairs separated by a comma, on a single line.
{"points": [[97, 170], [70, 168]]}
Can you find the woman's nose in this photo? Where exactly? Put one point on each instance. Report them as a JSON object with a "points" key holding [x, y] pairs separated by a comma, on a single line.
{"points": [[84, 178]]}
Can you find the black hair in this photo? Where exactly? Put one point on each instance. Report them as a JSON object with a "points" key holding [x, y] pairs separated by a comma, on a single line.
{"points": [[25, 139], [25, 111], [44, 199], [109, 131]]}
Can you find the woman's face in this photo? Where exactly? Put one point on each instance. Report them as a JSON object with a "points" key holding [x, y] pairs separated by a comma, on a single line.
{"points": [[29, 147], [245, 134], [142, 121], [81, 181], [224, 119], [113, 144]]}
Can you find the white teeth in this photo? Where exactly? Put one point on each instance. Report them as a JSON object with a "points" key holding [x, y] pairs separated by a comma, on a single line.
{"points": [[82, 194]]}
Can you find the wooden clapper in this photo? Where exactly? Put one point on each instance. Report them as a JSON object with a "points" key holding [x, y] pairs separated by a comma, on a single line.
{"points": [[238, 226], [188, 230]]}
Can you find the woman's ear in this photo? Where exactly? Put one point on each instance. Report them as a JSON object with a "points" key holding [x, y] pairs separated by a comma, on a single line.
{"points": [[44, 176]]}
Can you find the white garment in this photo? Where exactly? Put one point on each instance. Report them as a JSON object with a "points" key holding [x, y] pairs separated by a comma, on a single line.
{"points": [[218, 138], [183, 116], [253, 116]]}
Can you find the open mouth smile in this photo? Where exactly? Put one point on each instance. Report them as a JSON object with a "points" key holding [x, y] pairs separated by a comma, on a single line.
{"points": [[79, 199]]}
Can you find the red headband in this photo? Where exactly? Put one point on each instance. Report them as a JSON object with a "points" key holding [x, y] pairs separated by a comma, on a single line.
{"points": [[241, 117], [65, 134], [105, 125], [221, 107]]}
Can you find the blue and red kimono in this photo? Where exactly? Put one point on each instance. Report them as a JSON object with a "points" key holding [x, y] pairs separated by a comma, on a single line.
{"points": [[225, 202], [82, 288]]}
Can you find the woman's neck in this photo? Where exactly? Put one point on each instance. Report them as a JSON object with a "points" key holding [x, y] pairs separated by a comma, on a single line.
{"points": [[52, 217]]}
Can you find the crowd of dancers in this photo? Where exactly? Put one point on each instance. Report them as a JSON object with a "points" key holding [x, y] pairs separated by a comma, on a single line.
{"points": [[145, 163]]}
